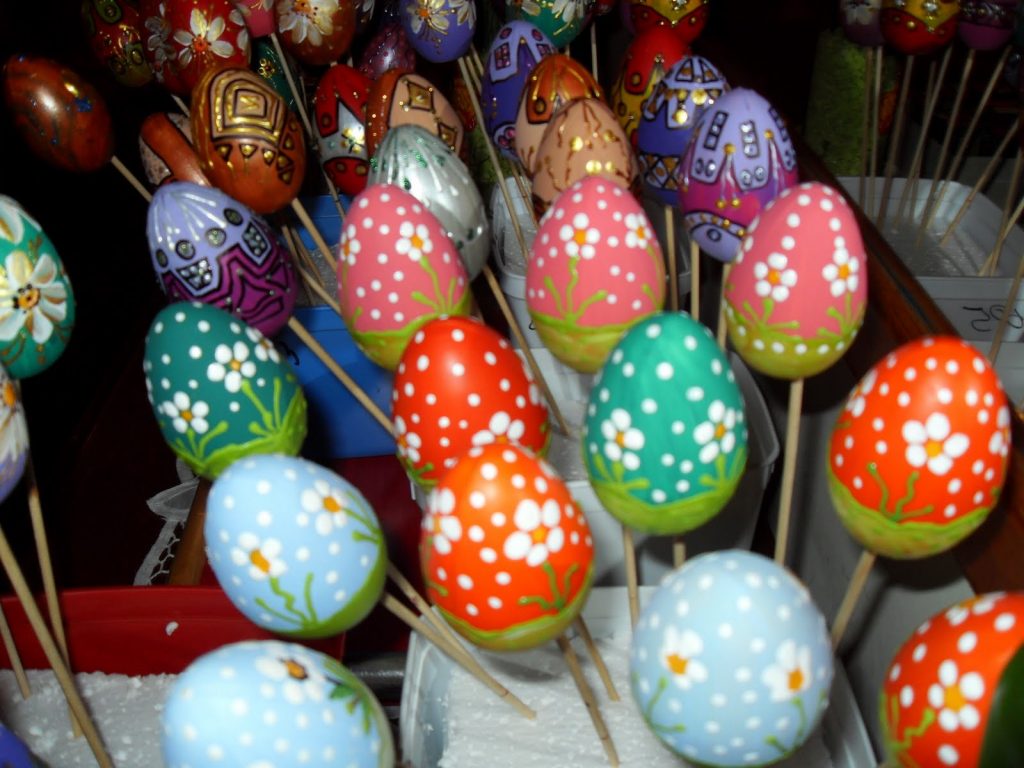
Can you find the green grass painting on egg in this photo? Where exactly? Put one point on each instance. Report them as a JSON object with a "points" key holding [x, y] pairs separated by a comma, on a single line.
{"points": [[665, 437]]}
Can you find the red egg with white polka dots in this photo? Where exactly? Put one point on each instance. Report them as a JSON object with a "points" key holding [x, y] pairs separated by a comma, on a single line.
{"points": [[506, 553], [460, 384], [918, 456], [941, 692]]}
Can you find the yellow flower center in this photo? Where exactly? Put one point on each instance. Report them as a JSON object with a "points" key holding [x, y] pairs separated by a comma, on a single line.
{"points": [[27, 298], [580, 237], [424, 12], [844, 271], [795, 680], [416, 242], [200, 45], [954, 698], [641, 232], [774, 277], [539, 535], [331, 505], [259, 561], [295, 670], [933, 448], [10, 395], [720, 431], [302, 7], [620, 439], [186, 415], [235, 365], [676, 664]]}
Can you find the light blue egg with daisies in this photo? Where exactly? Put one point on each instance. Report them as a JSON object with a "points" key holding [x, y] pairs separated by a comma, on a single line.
{"points": [[296, 547], [272, 703], [731, 662], [665, 437]]}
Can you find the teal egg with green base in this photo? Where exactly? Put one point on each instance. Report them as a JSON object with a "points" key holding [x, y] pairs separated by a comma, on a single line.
{"points": [[219, 388], [665, 436]]}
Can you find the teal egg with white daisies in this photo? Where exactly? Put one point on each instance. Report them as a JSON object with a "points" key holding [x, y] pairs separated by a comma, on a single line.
{"points": [[219, 388], [297, 548], [37, 306], [665, 437]]}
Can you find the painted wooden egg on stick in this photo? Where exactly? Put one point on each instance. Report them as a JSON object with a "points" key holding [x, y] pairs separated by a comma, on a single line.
{"points": [[268, 65], [316, 32], [506, 553], [259, 17], [668, 118], [596, 270], [249, 144], [37, 305], [555, 81], [400, 98], [687, 19], [582, 139], [460, 384], [797, 292], [339, 107], [738, 160], [159, 48], [919, 27], [114, 32], [665, 436], [731, 663], [296, 547], [919, 454], [219, 388], [440, 31], [397, 269], [649, 55], [515, 51], [244, 701], [13, 435], [861, 21], [204, 35], [416, 160], [388, 49], [986, 25], [208, 247], [168, 155], [560, 21], [951, 696]]}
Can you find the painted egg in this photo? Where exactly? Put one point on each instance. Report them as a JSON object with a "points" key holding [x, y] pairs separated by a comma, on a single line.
{"points": [[948, 688], [339, 106], [165, 144], [669, 116], [296, 547], [560, 20], [208, 247], [114, 31], [797, 292], [37, 306], [402, 98], [219, 388], [665, 437], [388, 49], [460, 384], [205, 34], [506, 553], [556, 80], [514, 52], [267, 64], [986, 24], [439, 30], [416, 160], [918, 456], [259, 16], [316, 32], [919, 27], [686, 18], [646, 59], [397, 269], [244, 701], [249, 144], [731, 663], [159, 47], [861, 21], [13, 435], [596, 270], [738, 159], [582, 139], [61, 117]]}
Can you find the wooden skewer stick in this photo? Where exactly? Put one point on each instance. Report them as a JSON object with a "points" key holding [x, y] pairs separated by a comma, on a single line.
{"points": [[131, 178], [53, 654], [876, 98], [853, 593], [865, 128], [181, 104], [678, 551], [595, 655], [12, 653], [318, 239], [587, 694], [1011, 299], [722, 325], [694, 280], [593, 49], [632, 582], [796, 397], [189, 555], [895, 137], [991, 263], [670, 256]]}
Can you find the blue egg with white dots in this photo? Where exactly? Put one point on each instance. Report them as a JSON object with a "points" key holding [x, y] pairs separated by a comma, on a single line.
{"points": [[731, 662], [297, 548], [273, 704]]}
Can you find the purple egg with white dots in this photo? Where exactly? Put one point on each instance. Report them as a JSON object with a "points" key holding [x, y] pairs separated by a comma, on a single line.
{"points": [[731, 661]]}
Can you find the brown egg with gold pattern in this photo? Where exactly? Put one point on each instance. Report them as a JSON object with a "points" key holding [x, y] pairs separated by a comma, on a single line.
{"points": [[556, 80], [114, 32], [582, 139], [62, 118], [316, 32], [400, 98], [165, 144], [248, 142]]}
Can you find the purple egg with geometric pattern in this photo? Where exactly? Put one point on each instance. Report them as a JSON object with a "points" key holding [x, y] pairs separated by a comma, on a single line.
{"points": [[515, 51], [668, 118], [738, 160], [208, 247]]}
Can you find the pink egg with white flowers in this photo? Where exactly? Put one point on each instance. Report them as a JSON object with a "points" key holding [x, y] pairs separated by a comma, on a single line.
{"points": [[796, 293], [596, 270], [397, 269]]}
